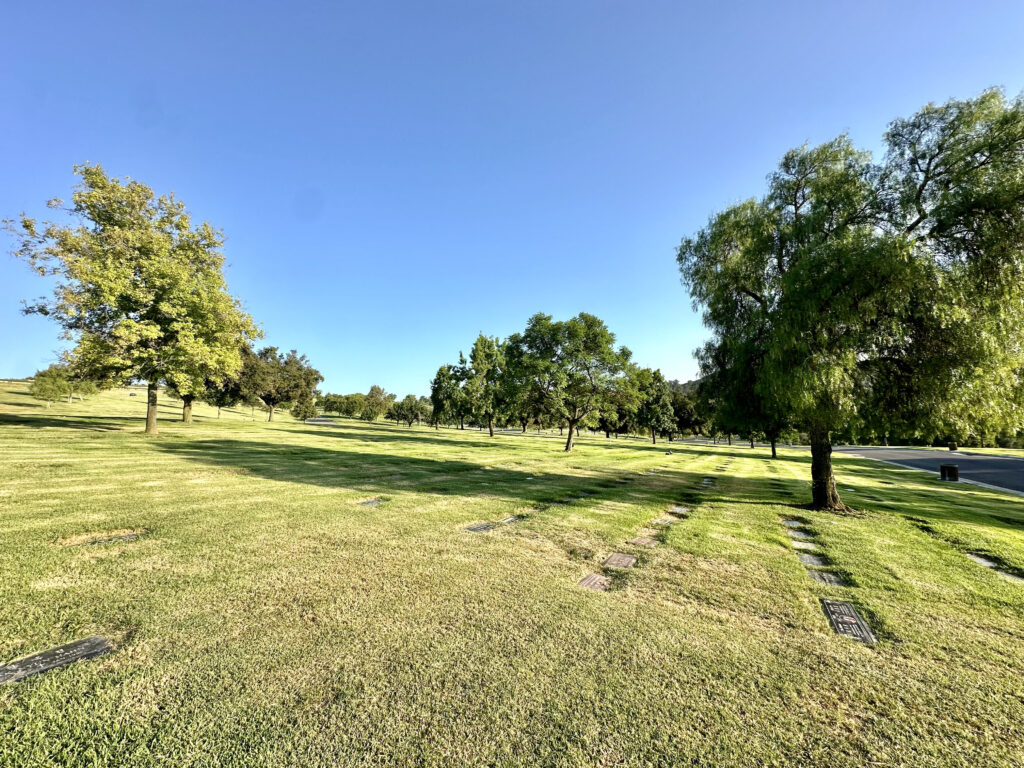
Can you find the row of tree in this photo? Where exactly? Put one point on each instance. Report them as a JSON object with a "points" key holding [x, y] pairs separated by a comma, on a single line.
{"points": [[375, 404], [567, 374], [141, 295], [873, 296]]}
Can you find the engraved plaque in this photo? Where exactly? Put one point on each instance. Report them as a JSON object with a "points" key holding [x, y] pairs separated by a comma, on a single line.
{"points": [[87, 648], [595, 581], [619, 560], [828, 578], [816, 561], [643, 541], [846, 621], [480, 528]]}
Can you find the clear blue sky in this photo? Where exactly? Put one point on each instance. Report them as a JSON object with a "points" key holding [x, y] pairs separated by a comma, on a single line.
{"points": [[395, 177]]}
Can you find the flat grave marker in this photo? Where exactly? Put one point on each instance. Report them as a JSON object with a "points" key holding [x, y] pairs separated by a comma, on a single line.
{"points": [[112, 539], [480, 528], [663, 521], [679, 510], [87, 648], [794, 523], [846, 621], [596, 582], [370, 503], [982, 560], [816, 561], [513, 519], [828, 578], [806, 546], [643, 541], [795, 533], [619, 561]]}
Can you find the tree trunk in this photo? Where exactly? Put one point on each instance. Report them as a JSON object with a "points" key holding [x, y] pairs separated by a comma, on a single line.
{"points": [[751, 443], [775, 455], [218, 411], [654, 437], [607, 434], [823, 481], [270, 412], [462, 422], [568, 442], [186, 408], [490, 425], [151, 409], [730, 438]]}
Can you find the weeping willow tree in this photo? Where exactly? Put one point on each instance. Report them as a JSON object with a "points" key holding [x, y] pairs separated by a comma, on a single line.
{"points": [[894, 286]]}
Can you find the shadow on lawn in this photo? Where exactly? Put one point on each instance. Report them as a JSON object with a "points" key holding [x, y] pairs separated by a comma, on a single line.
{"points": [[390, 473]]}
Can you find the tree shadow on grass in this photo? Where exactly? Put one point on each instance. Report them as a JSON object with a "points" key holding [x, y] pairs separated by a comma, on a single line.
{"points": [[91, 423], [382, 473]]}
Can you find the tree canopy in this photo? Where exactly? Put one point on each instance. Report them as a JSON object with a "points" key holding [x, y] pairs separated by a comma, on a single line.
{"points": [[140, 289], [892, 288]]}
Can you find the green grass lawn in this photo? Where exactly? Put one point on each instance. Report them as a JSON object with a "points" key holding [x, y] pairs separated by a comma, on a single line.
{"points": [[267, 618]]}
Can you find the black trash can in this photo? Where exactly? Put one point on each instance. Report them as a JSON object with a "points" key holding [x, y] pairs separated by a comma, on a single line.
{"points": [[949, 472]]}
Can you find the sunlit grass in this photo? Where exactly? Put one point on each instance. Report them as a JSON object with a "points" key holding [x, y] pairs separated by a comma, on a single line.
{"points": [[265, 617]]}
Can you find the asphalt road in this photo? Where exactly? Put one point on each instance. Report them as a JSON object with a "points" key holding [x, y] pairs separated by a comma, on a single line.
{"points": [[1002, 471]]}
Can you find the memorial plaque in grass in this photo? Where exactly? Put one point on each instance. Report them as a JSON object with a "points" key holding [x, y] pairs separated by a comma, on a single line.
{"points": [[806, 546], [816, 561], [794, 523], [846, 621], [513, 519], [679, 509], [828, 578], [982, 560], [644, 541], [663, 521], [619, 560], [370, 503], [112, 539], [595, 581], [87, 648], [480, 528], [796, 533]]}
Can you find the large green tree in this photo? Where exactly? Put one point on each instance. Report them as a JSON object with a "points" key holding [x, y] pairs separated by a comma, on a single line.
{"points": [[896, 282], [377, 403], [654, 411], [277, 378], [140, 289], [574, 365], [484, 375]]}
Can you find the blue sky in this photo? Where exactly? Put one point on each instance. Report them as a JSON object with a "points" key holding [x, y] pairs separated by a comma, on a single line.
{"points": [[395, 177]]}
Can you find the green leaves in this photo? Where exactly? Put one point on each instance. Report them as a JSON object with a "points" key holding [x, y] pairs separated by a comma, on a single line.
{"points": [[139, 289]]}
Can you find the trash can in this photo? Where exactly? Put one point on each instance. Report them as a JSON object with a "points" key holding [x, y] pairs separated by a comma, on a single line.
{"points": [[949, 472]]}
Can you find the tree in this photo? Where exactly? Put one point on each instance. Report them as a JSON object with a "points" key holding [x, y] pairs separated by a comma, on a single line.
{"points": [[409, 410], [484, 379], [684, 413], [377, 403], [304, 407], [573, 364], [445, 395], [277, 378], [352, 405], [50, 384], [895, 282], [140, 290], [225, 393], [654, 412]]}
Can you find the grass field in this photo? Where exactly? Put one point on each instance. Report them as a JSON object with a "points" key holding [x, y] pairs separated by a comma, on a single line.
{"points": [[267, 618]]}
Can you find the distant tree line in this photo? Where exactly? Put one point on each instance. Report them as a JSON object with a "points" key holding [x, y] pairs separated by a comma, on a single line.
{"points": [[863, 298], [559, 374], [141, 295]]}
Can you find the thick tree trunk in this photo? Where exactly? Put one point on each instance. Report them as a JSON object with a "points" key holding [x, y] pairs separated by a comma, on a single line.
{"points": [[730, 438], [823, 481], [775, 455], [490, 425], [572, 434], [751, 443], [654, 437], [270, 412], [151, 408], [462, 422], [186, 409], [607, 434]]}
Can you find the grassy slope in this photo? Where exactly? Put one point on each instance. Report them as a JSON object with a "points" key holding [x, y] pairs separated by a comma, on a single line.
{"points": [[268, 619]]}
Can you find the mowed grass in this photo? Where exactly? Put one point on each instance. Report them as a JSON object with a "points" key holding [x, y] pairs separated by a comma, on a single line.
{"points": [[267, 618]]}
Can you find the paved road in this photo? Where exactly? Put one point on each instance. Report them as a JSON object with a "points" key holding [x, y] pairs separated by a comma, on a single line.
{"points": [[1002, 471]]}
